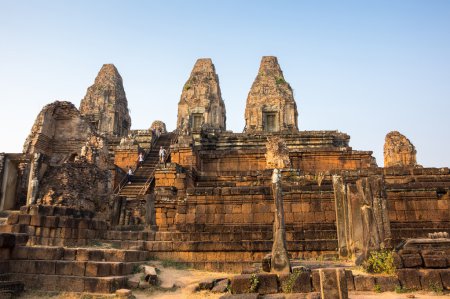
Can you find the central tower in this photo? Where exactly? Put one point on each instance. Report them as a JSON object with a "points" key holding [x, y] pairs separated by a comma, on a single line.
{"points": [[201, 103], [270, 103]]}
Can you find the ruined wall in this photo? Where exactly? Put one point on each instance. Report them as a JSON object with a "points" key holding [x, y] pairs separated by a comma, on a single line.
{"points": [[105, 105], [270, 103], [70, 163], [201, 97], [418, 201], [399, 151], [58, 132]]}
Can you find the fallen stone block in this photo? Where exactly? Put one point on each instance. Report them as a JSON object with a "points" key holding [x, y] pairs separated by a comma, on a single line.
{"points": [[221, 286], [151, 275]]}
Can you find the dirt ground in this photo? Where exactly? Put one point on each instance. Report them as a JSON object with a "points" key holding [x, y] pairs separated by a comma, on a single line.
{"points": [[178, 283]]}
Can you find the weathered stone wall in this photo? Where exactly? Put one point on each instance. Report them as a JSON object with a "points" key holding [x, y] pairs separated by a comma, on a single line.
{"points": [[201, 97], [105, 105], [270, 103]]}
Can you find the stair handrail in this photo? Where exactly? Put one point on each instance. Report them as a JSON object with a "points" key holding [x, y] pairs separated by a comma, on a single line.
{"points": [[152, 175], [125, 178]]}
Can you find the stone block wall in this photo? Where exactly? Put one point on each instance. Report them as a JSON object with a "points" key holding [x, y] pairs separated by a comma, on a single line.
{"points": [[55, 226]]}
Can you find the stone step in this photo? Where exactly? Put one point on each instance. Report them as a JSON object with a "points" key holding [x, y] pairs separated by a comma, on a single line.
{"points": [[73, 268], [72, 283], [78, 254], [11, 287]]}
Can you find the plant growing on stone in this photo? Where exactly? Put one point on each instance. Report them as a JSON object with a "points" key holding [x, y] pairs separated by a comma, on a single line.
{"points": [[377, 288], [380, 262], [280, 80], [436, 288], [254, 282], [187, 86], [288, 285]]}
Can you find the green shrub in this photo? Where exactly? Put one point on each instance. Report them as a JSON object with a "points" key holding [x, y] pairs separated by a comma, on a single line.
{"points": [[380, 262]]}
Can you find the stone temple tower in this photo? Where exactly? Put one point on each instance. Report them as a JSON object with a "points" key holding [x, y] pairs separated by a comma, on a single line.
{"points": [[201, 103], [105, 105], [270, 103]]}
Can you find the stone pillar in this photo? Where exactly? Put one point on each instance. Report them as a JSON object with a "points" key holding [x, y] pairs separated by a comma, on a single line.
{"points": [[280, 260], [362, 221]]}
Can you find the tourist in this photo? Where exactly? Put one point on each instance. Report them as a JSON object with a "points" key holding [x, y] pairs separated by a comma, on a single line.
{"points": [[162, 155], [129, 174], [141, 159]]}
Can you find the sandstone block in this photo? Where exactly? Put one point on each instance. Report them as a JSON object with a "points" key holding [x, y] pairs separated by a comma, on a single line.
{"points": [[24, 219], [220, 286], [364, 283], [350, 281], [45, 267], [78, 268], [71, 284], [12, 219], [434, 259], [333, 284], [409, 279], [445, 278], [315, 279], [268, 283], [430, 279], [412, 260], [64, 268], [241, 284], [97, 269], [387, 283]]}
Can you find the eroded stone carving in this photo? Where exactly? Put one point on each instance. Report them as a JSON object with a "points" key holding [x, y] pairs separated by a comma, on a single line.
{"points": [[399, 151], [277, 154], [270, 103], [105, 104], [201, 100]]}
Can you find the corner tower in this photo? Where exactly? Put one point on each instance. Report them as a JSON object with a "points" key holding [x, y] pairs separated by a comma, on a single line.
{"points": [[201, 101], [270, 103], [105, 105]]}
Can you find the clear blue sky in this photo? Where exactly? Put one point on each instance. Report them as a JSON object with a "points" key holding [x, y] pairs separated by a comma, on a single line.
{"points": [[360, 67]]}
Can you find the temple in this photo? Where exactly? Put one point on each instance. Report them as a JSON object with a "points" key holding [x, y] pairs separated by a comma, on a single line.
{"points": [[208, 201]]}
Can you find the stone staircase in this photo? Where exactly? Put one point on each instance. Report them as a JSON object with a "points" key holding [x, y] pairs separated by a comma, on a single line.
{"points": [[143, 173], [94, 270]]}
